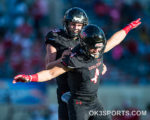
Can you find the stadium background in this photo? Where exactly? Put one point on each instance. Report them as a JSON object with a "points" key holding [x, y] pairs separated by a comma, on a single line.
{"points": [[23, 25]]}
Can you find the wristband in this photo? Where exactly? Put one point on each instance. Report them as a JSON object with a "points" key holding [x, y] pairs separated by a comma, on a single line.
{"points": [[127, 29], [33, 78]]}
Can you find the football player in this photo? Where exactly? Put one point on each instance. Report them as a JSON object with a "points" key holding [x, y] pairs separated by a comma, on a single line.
{"points": [[85, 65], [59, 40]]}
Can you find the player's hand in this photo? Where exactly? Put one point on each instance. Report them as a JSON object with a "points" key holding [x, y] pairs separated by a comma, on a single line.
{"points": [[21, 78], [135, 23], [25, 78], [104, 69], [132, 25], [66, 52]]}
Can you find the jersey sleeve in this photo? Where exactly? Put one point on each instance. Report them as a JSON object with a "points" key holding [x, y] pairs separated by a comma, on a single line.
{"points": [[72, 61], [51, 38], [67, 62]]}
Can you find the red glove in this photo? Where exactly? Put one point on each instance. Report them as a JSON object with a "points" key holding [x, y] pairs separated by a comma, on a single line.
{"points": [[132, 25], [26, 78]]}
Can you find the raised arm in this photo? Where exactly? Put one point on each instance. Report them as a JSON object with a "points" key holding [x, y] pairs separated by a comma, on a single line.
{"points": [[43, 75], [119, 36]]}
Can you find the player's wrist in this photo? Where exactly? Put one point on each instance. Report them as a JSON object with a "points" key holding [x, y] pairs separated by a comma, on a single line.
{"points": [[59, 60], [127, 28], [132, 25], [33, 78]]}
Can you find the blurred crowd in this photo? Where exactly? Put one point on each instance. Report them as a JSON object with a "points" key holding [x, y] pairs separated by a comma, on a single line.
{"points": [[24, 24]]}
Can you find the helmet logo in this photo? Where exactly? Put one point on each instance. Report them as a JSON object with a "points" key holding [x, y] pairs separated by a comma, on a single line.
{"points": [[83, 35], [78, 19]]}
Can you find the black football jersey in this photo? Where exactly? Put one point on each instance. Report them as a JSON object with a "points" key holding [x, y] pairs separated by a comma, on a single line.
{"points": [[61, 41], [84, 78]]}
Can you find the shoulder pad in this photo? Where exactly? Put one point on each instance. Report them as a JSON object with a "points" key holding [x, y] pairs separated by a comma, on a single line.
{"points": [[55, 30], [50, 37], [52, 34]]}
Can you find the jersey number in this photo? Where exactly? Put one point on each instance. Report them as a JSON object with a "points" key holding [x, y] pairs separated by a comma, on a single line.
{"points": [[96, 76]]}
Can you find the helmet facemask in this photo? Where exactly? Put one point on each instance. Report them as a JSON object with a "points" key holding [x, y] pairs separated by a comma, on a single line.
{"points": [[93, 41], [72, 27], [99, 48], [74, 15], [89, 48]]}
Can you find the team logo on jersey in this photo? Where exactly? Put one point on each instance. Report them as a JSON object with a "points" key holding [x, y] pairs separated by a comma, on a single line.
{"points": [[94, 66], [83, 35]]}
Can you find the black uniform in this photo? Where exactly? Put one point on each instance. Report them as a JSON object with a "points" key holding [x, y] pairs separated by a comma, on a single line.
{"points": [[61, 41], [83, 82]]}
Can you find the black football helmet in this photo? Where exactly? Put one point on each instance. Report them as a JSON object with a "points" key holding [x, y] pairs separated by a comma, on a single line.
{"points": [[91, 35], [76, 15]]}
